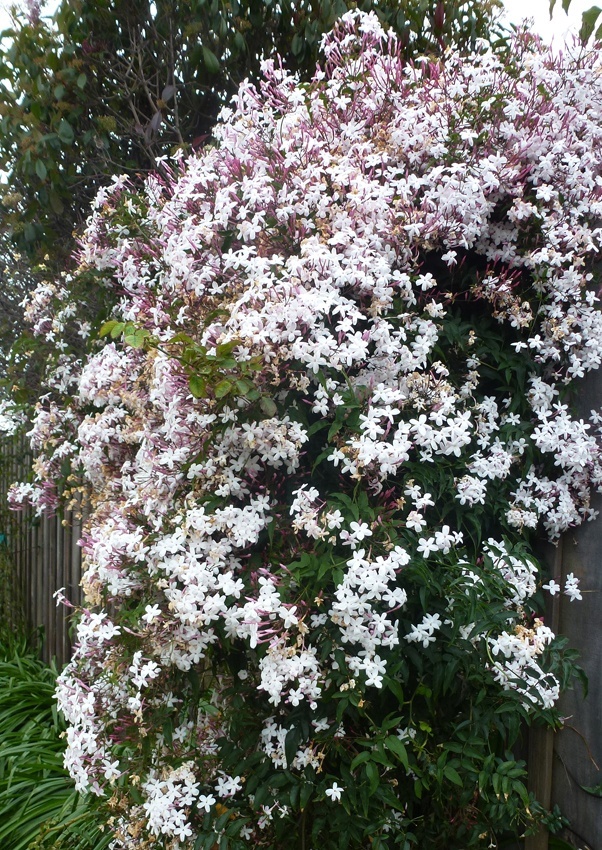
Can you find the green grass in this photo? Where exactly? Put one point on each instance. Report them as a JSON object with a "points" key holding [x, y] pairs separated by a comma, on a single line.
{"points": [[39, 807]]}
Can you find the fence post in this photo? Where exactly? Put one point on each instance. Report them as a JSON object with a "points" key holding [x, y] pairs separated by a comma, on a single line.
{"points": [[578, 745], [540, 757]]}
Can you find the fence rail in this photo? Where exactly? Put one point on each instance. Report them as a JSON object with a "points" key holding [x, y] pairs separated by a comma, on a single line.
{"points": [[44, 555]]}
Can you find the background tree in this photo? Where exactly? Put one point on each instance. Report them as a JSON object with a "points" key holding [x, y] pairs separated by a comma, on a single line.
{"points": [[589, 19], [15, 282], [108, 86]]}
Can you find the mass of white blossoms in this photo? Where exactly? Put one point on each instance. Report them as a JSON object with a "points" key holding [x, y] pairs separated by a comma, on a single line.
{"points": [[11, 418], [330, 408]]}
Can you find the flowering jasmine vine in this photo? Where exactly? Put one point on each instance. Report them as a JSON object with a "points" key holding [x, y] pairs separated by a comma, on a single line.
{"points": [[328, 411]]}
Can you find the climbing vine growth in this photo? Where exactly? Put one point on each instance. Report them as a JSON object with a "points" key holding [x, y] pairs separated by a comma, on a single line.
{"points": [[318, 430]]}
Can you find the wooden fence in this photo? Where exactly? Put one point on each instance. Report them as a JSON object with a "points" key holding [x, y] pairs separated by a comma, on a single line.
{"points": [[38, 555], [576, 776]]}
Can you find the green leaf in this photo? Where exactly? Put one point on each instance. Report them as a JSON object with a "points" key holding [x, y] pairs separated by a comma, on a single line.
{"points": [[56, 204], [136, 338], [522, 792], [268, 406], [291, 744], [226, 347], [209, 841], [380, 757], [223, 388], [41, 169], [397, 747], [181, 337], [364, 794], [594, 790], [452, 774], [81, 81], [588, 22], [395, 687], [65, 132], [334, 429], [239, 42], [117, 329], [307, 789], [243, 386], [360, 758], [211, 61], [294, 796], [107, 327], [198, 386], [297, 44], [373, 777]]}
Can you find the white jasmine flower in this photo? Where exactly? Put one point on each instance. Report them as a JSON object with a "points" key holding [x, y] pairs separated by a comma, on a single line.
{"points": [[334, 792], [571, 587], [205, 801]]}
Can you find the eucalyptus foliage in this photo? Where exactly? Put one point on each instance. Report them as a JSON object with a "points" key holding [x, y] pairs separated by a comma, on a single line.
{"points": [[319, 431]]}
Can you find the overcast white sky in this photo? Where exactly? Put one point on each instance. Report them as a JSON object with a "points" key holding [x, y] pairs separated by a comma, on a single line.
{"points": [[516, 10], [539, 10]]}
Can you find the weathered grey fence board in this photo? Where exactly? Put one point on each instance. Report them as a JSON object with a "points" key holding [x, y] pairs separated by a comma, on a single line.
{"points": [[578, 746], [44, 556]]}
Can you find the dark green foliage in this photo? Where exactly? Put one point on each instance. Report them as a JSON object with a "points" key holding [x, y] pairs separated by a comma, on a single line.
{"points": [[589, 19], [39, 807], [110, 85]]}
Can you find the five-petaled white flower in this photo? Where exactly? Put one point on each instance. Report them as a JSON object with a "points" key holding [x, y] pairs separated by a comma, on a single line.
{"points": [[206, 801], [334, 792]]}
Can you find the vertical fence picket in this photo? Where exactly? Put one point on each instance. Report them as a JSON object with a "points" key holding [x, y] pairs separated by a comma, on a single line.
{"points": [[40, 568], [17, 547], [51, 586], [29, 544], [75, 561], [67, 568], [58, 574]]}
